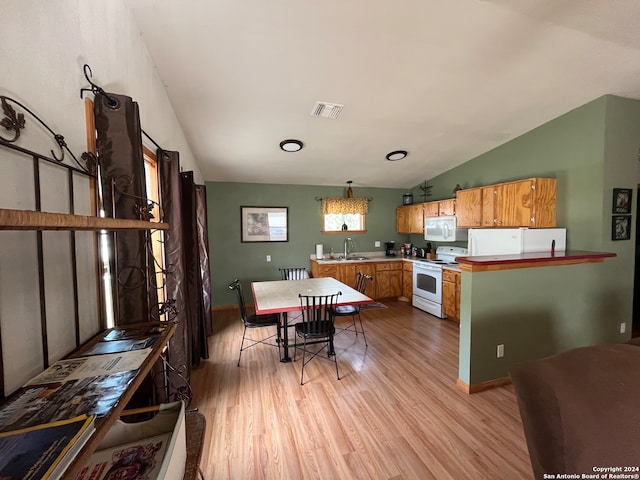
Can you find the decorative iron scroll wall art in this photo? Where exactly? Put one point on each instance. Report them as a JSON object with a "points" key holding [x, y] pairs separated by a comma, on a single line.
{"points": [[12, 123]]}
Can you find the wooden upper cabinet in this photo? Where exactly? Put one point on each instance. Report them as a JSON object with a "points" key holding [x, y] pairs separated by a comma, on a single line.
{"points": [[416, 218], [513, 204], [488, 215], [431, 209], [410, 219], [402, 220], [447, 207], [543, 203], [523, 203], [526, 203], [469, 207]]}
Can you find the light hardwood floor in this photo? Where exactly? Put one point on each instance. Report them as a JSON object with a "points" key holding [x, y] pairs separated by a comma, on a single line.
{"points": [[396, 413]]}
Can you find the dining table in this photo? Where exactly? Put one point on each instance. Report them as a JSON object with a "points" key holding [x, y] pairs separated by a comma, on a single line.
{"points": [[282, 297]]}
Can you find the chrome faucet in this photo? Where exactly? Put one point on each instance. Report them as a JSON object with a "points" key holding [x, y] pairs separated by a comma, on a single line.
{"points": [[347, 244]]}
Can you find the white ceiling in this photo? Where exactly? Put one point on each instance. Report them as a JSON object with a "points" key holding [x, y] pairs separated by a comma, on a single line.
{"points": [[444, 79]]}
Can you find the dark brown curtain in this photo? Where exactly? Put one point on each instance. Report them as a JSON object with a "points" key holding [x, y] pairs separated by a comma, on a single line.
{"points": [[197, 317], [171, 194], [203, 250], [119, 148]]}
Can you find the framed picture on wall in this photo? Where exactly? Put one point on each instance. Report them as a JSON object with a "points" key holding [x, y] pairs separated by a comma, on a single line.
{"points": [[621, 227], [264, 224], [622, 200]]}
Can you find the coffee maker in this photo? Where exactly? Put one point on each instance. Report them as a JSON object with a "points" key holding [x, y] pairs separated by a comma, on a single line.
{"points": [[390, 249]]}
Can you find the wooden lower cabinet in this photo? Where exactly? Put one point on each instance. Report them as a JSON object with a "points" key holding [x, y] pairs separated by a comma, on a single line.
{"points": [[346, 273], [319, 270], [388, 279], [407, 280], [451, 294], [369, 269]]}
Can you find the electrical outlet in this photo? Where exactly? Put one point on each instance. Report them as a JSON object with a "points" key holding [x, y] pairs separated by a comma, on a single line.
{"points": [[623, 327], [268, 258], [500, 351], [377, 244]]}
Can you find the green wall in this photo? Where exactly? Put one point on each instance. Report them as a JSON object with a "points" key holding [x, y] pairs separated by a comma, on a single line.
{"points": [[540, 311], [533, 312], [230, 258]]}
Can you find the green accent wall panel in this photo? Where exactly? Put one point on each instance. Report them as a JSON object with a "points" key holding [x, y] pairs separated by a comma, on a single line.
{"points": [[534, 313], [537, 312], [230, 258]]}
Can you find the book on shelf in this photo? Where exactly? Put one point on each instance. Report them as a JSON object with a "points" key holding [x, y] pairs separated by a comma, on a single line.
{"points": [[118, 346], [43, 451], [90, 366], [89, 385], [36, 404], [137, 460], [132, 332]]}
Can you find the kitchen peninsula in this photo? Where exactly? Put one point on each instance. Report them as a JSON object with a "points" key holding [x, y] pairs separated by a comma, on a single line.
{"points": [[529, 260], [525, 306]]}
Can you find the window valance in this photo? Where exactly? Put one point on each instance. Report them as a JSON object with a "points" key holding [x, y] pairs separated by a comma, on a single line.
{"points": [[345, 206]]}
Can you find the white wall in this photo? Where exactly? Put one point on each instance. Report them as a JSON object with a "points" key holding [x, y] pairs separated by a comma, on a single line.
{"points": [[43, 47]]}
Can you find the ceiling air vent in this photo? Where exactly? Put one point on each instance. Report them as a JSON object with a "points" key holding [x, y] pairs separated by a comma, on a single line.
{"points": [[326, 110]]}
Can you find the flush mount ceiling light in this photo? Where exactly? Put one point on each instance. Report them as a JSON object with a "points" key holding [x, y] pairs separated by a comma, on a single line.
{"points": [[396, 155], [291, 145]]}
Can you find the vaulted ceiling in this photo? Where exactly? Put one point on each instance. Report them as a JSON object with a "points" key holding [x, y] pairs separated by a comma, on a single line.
{"points": [[444, 80]]}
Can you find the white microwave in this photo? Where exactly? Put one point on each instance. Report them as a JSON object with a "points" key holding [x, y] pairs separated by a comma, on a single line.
{"points": [[444, 229]]}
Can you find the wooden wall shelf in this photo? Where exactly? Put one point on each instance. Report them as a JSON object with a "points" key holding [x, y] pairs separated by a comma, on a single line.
{"points": [[32, 220], [103, 424]]}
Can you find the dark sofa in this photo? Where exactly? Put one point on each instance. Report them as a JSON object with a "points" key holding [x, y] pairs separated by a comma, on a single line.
{"points": [[580, 410]]}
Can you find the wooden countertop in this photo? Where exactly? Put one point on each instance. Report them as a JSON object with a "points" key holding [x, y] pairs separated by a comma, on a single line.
{"points": [[529, 260]]}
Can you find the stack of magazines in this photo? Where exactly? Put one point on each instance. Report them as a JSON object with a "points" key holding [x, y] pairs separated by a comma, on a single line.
{"points": [[45, 423]]}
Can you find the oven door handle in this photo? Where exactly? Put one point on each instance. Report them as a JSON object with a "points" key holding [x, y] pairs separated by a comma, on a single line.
{"points": [[427, 268]]}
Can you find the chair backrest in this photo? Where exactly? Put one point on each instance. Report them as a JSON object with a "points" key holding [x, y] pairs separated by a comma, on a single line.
{"points": [[362, 280], [317, 308], [237, 286], [294, 273]]}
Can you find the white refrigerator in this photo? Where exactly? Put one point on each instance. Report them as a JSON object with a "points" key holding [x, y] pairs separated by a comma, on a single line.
{"points": [[509, 241]]}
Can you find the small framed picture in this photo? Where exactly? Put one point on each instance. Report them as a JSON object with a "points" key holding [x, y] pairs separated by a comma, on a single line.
{"points": [[622, 200], [264, 224], [621, 227]]}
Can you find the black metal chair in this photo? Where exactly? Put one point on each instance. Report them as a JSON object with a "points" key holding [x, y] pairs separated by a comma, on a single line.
{"points": [[255, 321], [362, 280], [294, 273], [316, 327]]}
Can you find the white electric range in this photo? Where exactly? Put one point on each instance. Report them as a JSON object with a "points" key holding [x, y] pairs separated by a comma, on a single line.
{"points": [[427, 279]]}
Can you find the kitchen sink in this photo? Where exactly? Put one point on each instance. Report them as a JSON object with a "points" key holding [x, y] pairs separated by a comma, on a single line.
{"points": [[352, 259]]}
